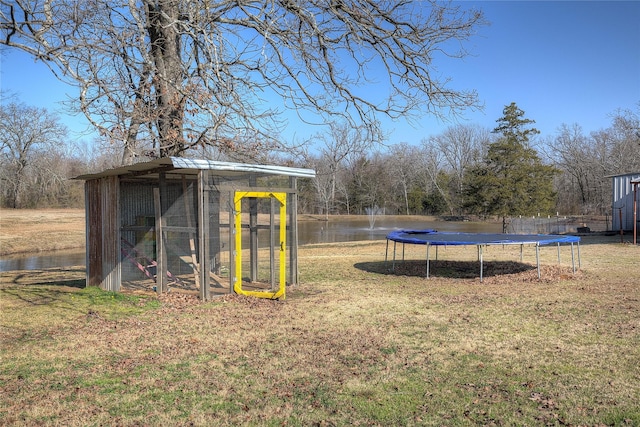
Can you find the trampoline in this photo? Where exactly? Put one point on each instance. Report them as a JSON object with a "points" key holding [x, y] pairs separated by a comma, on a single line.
{"points": [[480, 240]]}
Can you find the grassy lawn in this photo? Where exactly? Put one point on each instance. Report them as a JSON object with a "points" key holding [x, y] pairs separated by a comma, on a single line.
{"points": [[352, 345]]}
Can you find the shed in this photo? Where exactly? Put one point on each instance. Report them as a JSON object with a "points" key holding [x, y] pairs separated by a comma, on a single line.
{"points": [[623, 201], [181, 224]]}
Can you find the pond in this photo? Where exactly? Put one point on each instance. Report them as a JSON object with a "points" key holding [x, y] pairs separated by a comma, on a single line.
{"points": [[349, 230], [43, 260], [309, 232]]}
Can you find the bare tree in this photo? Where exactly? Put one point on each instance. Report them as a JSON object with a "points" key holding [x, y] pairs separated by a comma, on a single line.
{"points": [[587, 160], [322, 183], [404, 165], [624, 135], [26, 133], [335, 147], [460, 147], [431, 172], [570, 151], [170, 75], [368, 182]]}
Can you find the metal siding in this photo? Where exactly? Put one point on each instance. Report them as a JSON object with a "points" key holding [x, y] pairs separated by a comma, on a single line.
{"points": [[623, 201], [110, 235], [102, 231], [136, 200], [94, 232]]}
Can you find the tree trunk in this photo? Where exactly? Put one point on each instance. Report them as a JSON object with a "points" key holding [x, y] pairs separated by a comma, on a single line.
{"points": [[165, 49], [137, 119]]}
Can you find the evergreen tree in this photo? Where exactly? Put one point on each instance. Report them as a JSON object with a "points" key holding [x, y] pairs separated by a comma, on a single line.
{"points": [[512, 180]]}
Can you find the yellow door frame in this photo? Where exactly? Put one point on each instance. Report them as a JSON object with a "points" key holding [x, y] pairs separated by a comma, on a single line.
{"points": [[237, 283]]}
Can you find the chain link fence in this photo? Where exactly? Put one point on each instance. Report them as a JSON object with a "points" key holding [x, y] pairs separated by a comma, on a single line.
{"points": [[559, 224]]}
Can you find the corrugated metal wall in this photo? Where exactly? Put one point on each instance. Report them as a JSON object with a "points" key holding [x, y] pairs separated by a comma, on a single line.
{"points": [[623, 201], [103, 232], [111, 234], [93, 204]]}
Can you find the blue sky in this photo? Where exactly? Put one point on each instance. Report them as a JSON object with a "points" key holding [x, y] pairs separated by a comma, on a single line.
{"points": [[561, 62]]}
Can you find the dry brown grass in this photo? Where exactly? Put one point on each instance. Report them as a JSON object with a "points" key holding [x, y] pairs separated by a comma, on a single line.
{"points": [[354, 344], [29, 231]]}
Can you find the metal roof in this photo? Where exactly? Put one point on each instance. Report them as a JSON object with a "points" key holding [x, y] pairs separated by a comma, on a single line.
{"points": [[622, 174], [182, 165]]}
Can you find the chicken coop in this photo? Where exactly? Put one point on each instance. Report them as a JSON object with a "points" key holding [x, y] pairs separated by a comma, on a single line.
{"points": [[193, 225]]}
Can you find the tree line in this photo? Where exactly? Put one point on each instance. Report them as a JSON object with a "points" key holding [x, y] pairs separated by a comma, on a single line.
{"points": [[506, 171], [467, 169]]}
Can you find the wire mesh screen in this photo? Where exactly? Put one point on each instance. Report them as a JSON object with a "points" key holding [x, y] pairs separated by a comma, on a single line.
{"points": [[176, 202], [138, 238], [558, 224], [140, 208], [261, 246]]}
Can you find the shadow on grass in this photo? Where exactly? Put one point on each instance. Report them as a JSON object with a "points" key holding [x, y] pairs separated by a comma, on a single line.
{"points": [[70, 283], [50, 286], [71, 277], [448, 269], [35, 295]]}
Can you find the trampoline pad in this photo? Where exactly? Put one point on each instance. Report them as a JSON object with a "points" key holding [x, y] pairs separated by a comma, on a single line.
{"points": [[433, 237]]}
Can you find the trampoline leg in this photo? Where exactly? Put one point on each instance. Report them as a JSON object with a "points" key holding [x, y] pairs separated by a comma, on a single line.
{"points": [[573, 262], [558, 253], [481, 262], [428, 260], [386, 251], [393, 265], [538, 259], [403, 251], [521, 247], [436, 253]]}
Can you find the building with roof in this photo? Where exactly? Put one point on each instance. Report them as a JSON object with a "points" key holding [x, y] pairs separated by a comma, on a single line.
{"points": [[625, 200], [181, 224]]}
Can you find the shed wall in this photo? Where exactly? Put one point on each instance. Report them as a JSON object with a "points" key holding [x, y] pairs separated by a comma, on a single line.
{"points": [[623, 201], [103, 233]]}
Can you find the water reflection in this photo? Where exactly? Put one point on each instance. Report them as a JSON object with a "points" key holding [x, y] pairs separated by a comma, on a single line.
{"points": [[309, 232], [359, 229], [42, 260]]}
